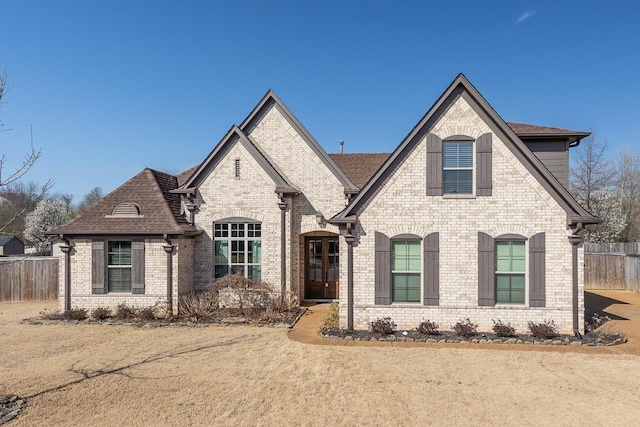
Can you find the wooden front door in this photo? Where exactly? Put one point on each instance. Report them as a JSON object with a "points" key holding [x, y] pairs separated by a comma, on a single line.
{"points": [[321, 267]]}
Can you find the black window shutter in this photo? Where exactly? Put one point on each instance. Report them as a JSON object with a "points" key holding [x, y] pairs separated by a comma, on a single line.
{"points": [[537, 270], [383, 269], [137, 267], [434, 165], [431, 262], [486, 270], [483, 165], [98, 272]]}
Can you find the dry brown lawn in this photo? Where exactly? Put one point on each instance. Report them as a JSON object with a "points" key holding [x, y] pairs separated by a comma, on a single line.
{"points": [[243, 375]]}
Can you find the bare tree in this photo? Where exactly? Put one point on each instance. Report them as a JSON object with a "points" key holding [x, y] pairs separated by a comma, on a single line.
{"points": [[628, 189], [9, 177], [591, 170], [90, 199]]}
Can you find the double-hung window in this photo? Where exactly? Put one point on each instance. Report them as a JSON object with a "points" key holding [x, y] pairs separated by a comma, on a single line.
{"points": [[237, 249], [457, 167], [406, 261], [510, 272], [119, 266]]}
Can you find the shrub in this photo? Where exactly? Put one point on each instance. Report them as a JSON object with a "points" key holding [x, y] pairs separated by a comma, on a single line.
{"points": [[464, 328], [543, 330], [332, 321], [197, 306], [51, 315], [383, 326], [147, 313], [280, 303], [503, 330], [428, 327], [124, 312], [75, 314], [595, 321], [101, 313], [245, 292]]}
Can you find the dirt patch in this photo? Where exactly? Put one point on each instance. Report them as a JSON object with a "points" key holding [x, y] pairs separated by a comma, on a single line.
{"points": [[81, 374]]}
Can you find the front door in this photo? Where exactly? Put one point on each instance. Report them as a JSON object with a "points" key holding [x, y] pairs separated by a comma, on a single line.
{"points": [[322, 261]]}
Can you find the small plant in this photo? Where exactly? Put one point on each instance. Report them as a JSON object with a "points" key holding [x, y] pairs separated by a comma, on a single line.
{"points": [[543, 330], [332, 320], [197, 306], [503, 330], [383, 326], [101, 313], [595, 321], [465, 329], [125, 312], [279, 303], [75, 314], [428, 327], [236, 291], [147, 313], [51, 315]]}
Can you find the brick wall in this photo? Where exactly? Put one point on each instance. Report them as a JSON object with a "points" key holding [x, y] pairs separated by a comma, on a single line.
{"points": [[519, 205], [155, 277]]}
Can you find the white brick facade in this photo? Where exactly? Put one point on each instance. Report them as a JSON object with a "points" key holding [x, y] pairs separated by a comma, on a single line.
{"points": [[519, 205]]}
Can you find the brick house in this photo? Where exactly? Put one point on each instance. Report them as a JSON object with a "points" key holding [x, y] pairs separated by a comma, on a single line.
{"points": [[468, 217]]}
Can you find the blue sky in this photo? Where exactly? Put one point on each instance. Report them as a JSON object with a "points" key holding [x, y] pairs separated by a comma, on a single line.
{"points": [[111, 87]]}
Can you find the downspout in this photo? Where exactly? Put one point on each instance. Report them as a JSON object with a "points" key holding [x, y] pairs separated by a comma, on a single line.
{"points": [[168, 248], [282, 204], [576, 240], [350, 239], [66, 249]]}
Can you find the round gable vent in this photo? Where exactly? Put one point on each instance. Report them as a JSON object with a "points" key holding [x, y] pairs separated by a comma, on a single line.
{"points": [[126, 209]]}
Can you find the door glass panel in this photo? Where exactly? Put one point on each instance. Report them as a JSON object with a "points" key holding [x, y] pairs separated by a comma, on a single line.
{"points": [[314, 248], [333, 261]]}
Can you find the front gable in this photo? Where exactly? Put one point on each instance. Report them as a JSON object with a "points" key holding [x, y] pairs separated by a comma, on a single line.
{"points": [[462, 111]]}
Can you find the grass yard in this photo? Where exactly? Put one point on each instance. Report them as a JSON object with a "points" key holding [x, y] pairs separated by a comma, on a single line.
{"points": [[243, 375]]}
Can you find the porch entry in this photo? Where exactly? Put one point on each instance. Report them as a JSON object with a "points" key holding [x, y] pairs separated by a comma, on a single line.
{"points": [[321, 267]]}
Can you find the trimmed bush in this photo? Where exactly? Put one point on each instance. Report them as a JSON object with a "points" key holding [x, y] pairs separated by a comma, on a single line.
{"points": [[147, 313], [125, 312], [503, 330], [465, 329], [101, 313], [428, 327], [544, 330], [383, 326], [75, 314]]}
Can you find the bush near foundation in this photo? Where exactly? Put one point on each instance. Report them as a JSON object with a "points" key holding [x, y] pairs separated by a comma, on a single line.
{"points": [[503, 330], [465, 328], [383, 326], [546, 329], [428, 327], [75, 314], [101, 313], [332, 321]]}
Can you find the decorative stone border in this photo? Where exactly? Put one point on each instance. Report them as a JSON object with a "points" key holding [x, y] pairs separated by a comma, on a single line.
{"points": [[588, 340]]}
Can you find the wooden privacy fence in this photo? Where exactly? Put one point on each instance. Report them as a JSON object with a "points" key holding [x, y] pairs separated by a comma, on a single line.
{"points": [[612, 271], [28, 279]]}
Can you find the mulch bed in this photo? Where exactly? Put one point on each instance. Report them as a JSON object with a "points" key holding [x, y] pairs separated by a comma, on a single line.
{"points": [[10, 407], [589, 339], [226, 316]]}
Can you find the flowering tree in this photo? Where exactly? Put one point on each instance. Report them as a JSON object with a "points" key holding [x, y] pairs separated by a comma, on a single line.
{"points": [[609, 206], [47, 215]]}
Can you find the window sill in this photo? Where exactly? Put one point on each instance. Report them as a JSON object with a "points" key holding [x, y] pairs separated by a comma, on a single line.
{"points": [[510, 305], [458, 196]]}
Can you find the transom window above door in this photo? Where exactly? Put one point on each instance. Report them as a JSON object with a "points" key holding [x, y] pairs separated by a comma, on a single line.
{"points": [[457, 167], [238, 249]]}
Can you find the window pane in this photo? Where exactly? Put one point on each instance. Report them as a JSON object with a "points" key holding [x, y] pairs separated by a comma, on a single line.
{"points": [[255, 251], [221, 270], [457, 154], [221, 252], [517, 264], [406, 255], [406, 287], [457, 181], [503, 249], [119, 279], [255, 272], [517, 249]]}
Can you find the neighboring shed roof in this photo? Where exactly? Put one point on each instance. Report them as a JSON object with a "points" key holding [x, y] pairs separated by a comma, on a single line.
{"points": [[159, 209], [6, 238], [359, 167]]}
